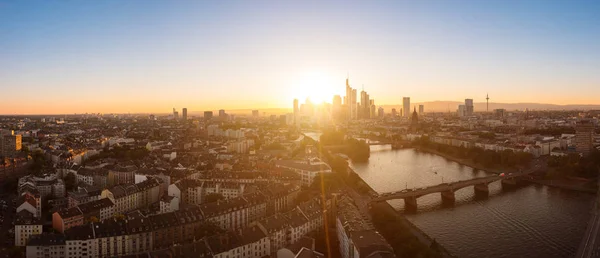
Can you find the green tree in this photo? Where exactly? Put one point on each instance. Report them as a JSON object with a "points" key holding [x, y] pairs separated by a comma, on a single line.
{"points": [[70, 181]]}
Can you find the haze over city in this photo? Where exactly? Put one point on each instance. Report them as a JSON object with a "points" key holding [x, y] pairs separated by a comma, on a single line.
{"points": [[150, 56], [289, 129]]}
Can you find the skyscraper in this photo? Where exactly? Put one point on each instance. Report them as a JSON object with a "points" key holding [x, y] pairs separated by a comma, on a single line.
{"points": [[365, 105], [175, 114], [468, 107], [584, 136], [394, 112], [380, 113], [462, 110], [421, 110], [406, 106], [184, 114], [222, 114], [350, 100], [296, 112], [336, 106], [353, 104]]}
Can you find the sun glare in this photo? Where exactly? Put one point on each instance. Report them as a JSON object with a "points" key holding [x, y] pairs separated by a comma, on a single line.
{"points": [[316, 86]]}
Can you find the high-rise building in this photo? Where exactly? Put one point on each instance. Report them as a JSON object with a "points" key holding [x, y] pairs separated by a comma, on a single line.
{"points": [[584, 136], [373, 112], [406, 106], [380, 113], [222, 114], [421, 110], [336, 106], [468, 107], [175, 114], [208, 115], [353, 99], [337, 101], [365, 103], [10, 143], [184, 114], [462, 110], [255, 113], [296, 112], [350, 100], [394, 112]]}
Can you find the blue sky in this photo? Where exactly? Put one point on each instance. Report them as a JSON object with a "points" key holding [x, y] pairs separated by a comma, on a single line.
{"points": [[134, 56]]}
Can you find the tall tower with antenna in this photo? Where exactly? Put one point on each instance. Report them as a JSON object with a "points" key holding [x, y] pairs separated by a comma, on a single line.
{"points": [[487, 102]]}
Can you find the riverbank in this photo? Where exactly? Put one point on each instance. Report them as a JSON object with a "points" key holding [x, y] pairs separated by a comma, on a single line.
{"points": [[466, 162], [416, 231], [566, 185], [405, 223]]}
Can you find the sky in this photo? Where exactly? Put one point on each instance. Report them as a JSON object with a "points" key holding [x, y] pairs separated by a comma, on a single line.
{"points": [[152, 56]]}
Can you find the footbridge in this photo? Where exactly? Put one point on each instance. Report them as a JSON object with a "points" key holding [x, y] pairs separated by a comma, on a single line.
{"points": [[447, 189]]}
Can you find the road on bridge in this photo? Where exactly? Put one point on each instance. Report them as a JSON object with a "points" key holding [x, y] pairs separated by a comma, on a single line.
{"points": [[446, 186]]}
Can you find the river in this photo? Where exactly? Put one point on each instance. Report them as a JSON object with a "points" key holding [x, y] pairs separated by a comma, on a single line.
{"points": [[530, 221]]}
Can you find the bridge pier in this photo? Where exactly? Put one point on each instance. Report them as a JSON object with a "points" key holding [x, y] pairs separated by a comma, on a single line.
{"points": [[482, 189], [448, 196], [509, 183], [410, 203]]}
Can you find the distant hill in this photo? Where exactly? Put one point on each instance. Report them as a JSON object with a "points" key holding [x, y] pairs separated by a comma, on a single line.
{"points": [[444, 106]]}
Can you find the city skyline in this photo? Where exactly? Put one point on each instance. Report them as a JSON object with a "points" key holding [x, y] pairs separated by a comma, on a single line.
{"points": [[114, 57]]}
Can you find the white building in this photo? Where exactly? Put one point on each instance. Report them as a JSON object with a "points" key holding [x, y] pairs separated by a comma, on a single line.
{"points": [[25, 227], [307, 169], [46, 245]]}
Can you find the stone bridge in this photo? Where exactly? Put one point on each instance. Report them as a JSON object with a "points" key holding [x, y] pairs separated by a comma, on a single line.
{"points": [[447, 189]]}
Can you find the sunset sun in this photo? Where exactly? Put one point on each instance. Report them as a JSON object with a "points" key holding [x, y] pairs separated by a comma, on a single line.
{"points": [[316, 86]]}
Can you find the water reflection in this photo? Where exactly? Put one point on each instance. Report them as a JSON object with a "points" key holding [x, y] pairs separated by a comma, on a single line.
{"points": [[531, 221]]}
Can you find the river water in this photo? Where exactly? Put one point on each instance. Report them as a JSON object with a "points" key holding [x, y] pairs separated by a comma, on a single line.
{"points": [[530, 221]]}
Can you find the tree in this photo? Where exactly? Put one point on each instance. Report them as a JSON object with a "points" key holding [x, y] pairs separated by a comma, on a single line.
{"points": [[3, 163], [39, 160], [274, 146], [213, 197], [70, 181]]}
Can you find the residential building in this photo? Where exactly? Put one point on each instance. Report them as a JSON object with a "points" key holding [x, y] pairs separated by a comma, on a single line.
{"points": [[357, 237], [26, 225], [96, 177], [132, 197], [48, 185], [249, 242], [10, 144], [169, 204], [121, 175], [46, 245], [66, 219], [230, 214], [308, 169], [30, 203]]}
